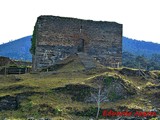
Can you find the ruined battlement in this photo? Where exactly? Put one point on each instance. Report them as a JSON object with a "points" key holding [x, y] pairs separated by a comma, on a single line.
{"points": [[56, 38]]}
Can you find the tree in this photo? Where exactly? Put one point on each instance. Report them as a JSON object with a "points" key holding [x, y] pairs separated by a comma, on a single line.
{"points": [[101, 93], [142, 61], [33, 41]]}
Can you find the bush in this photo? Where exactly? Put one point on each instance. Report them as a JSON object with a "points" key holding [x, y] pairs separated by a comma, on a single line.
{"points": [[33, 41]]}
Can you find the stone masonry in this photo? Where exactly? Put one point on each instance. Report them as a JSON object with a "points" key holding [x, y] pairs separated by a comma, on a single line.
{"points": [[58, 38]]}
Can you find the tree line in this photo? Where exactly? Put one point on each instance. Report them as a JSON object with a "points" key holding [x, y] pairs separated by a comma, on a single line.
{"points": [[144, 62]]}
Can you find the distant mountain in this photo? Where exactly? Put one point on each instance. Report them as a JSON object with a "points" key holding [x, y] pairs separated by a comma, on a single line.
{"points": [[136, 47], [19, 49]]}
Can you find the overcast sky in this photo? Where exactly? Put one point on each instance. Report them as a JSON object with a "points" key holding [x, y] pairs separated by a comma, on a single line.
{"points": [[140, 18]]}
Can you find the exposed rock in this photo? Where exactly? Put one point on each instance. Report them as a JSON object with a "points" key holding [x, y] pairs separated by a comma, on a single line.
{"points": [[8, 103], [78, 91], [12, 103]]}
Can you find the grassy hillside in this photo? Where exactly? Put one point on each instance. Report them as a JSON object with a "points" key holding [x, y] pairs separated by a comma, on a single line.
{"points": [[65, 94]]}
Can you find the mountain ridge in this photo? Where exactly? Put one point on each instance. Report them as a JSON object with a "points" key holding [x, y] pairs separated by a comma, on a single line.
{"points": [[17, 49], [137, 47]]}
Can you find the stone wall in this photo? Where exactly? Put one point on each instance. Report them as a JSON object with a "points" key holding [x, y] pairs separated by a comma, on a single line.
{"points": [[59, 37]]}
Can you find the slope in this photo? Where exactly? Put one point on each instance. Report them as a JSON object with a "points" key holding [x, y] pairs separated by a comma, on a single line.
{"points": [[140, 47], [62, 94], [17, 49]]}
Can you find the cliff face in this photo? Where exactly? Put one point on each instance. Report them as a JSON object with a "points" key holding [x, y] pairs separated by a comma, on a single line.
{"points": [[57, 38]]}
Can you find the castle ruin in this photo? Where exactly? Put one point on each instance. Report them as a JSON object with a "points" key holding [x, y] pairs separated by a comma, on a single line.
{"points": [[56, 38]]}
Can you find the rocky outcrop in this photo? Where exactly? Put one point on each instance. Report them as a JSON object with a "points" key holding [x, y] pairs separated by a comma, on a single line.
{"points": [[77, 91], [13, 102], [8, 103]]}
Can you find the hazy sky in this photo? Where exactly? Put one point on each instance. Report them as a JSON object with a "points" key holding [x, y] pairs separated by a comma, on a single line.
{"points": [[140, 18]]}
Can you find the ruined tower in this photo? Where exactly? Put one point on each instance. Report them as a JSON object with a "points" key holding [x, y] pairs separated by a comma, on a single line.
{"points": [[56, 38]]}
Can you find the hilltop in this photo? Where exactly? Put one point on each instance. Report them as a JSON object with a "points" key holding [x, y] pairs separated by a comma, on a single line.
{"points": [[17, 49]]}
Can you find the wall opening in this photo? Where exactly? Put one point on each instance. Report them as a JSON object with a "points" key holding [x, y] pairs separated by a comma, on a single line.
{"points": [[81, 45]]}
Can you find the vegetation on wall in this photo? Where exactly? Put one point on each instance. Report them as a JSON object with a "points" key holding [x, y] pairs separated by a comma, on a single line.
{"points": [[33, 41]]}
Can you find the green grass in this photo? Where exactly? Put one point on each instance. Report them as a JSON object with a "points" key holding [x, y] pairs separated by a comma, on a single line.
{"points": [[48, 103]]}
